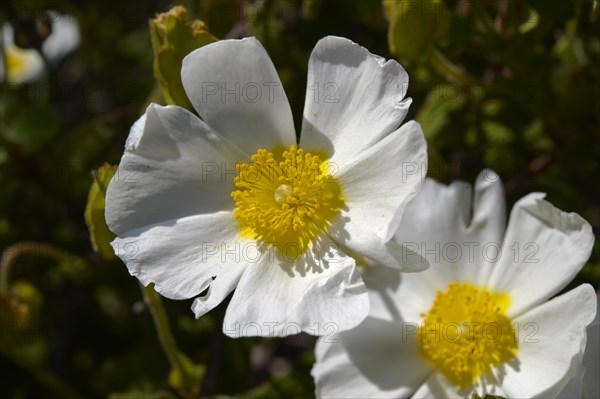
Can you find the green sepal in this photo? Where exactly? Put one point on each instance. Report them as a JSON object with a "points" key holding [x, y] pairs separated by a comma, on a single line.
{"points": [[100, 234], [173, 37]]}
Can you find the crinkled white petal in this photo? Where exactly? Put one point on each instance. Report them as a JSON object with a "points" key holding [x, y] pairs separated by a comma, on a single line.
{"points": [[235, 89], [591, 360], [174, 166], [551, 340], [544, 248], [182, 256], [64, 38], [377, 185], [286, 295], [224, 285], [23, 65], [374, 360], [353, 99]]}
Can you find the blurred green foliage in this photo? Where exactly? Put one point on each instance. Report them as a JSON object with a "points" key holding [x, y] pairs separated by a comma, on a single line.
{"points": [[511, 85]]}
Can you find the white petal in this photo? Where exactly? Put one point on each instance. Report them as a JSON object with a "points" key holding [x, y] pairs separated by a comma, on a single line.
{"points": [[392, 299], [370, 361], [283, 297], [235, 88], [24, 65], [543, 250], [353, 99], [441, 224], [64, 38], [366, 244], [573, 388], [219, 289], [451, 229], [591, 360], [552, 339], [174, 166], [586, 384], [377, 185], [437, 386], [181, 257]]}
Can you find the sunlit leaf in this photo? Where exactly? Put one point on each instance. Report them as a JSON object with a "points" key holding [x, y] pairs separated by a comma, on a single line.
{"points": [[100, 234], [173, 37], [415, 25]]}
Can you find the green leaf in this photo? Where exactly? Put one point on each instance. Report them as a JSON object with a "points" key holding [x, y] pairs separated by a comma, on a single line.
{"points": [[415, 26], [435, 111], [100, 234], [173, 37], [497, 133], [30, 126]]}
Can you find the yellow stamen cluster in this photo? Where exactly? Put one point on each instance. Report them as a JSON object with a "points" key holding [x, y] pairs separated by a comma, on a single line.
{"points": [[287, 198], [466, 332]]}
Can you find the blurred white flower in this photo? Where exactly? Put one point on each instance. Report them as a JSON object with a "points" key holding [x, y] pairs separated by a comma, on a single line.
{"points": [[234, 201], [478, 320], [20, 65]]}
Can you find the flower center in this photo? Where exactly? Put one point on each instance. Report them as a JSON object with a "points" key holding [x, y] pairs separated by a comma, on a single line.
{"points": [[282, 193], [466, 332], [286, 198]]}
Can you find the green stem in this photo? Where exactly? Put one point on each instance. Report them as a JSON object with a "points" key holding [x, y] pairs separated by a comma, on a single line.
{"points": [[178, 361], [12, 252]]}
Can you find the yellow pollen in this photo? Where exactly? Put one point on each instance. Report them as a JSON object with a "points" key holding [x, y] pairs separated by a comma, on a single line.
{"points": [[466, 333], [286, 198]]}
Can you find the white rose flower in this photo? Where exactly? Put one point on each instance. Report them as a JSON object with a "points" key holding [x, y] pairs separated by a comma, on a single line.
{"points": [[479, 320], [26, 65], [233, 201]]}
